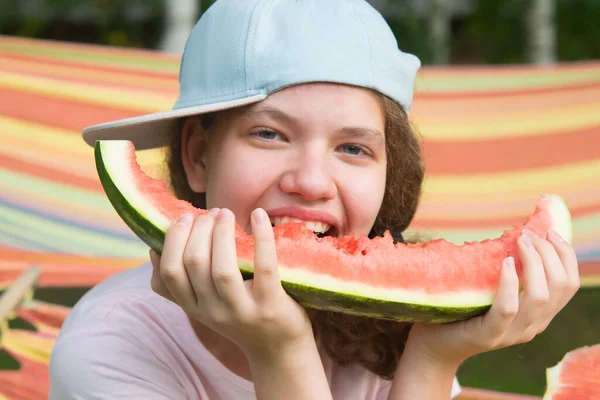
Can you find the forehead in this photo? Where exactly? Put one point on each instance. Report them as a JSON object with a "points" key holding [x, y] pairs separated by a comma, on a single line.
{"points": [[320, 103]]}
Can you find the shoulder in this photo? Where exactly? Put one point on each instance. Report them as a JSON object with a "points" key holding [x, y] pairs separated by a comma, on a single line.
{"points": [[123, 302], [115, 340], [123, 293]]}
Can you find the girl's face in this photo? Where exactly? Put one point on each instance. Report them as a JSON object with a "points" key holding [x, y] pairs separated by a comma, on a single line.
{"points": [[314, 152]]}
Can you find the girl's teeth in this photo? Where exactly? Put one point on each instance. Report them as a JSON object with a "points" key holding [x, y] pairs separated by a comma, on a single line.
{"points": [[310, 225], [316, 226]]}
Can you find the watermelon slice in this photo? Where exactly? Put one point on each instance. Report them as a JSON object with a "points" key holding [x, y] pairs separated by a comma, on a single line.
{"points": [[576, 376], [435, 281]]}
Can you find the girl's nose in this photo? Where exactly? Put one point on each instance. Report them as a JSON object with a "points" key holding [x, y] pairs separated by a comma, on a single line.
{"points": [[309, 175]]}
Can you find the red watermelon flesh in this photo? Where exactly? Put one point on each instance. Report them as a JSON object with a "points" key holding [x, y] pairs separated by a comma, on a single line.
{"points": [[576, 376], [436, 274]]}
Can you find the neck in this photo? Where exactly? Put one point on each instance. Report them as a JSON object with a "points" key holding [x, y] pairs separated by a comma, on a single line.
{"points": [[223, 349]]}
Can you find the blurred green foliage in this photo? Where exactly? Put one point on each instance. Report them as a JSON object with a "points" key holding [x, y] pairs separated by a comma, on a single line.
{"points": [[579, 29], [131, 23], [493, 32]]}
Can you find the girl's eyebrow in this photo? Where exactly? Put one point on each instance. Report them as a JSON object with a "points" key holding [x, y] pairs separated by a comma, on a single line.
{"points": [[270, 112], [365, 133], [356, 132]]}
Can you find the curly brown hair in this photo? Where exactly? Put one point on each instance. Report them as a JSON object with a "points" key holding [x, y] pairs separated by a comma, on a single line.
{"points": [[375, 344]]}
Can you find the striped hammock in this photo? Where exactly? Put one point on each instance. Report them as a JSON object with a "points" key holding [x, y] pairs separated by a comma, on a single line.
{"points": [[495, 138]]}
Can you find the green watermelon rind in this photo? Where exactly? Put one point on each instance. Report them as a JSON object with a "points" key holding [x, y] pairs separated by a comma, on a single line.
{"points": [[355, 304], [139, 223]]}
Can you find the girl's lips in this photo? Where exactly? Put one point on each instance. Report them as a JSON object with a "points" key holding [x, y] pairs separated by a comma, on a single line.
{"points": [[305, 214]]}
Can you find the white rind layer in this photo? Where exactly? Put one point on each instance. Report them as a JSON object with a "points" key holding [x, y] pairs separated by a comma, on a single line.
{"points": [[450, 299], [561, 217], [552, 381], [116, 158]]}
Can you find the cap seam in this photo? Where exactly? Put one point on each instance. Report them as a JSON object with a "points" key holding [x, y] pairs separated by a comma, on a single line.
{"points": [[251, 33], [362, 23]]}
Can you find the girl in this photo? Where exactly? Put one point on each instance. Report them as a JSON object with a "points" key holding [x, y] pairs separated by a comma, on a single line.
{"points": [[287, 109]]}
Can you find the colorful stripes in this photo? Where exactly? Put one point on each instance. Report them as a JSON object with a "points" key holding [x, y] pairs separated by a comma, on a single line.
{"points": [[495, 138], [512, 153], [62, 270], [131, 60], [31, 349]]}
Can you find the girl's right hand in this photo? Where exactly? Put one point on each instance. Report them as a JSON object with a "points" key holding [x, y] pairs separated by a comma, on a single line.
{"points": [[198, 270]]}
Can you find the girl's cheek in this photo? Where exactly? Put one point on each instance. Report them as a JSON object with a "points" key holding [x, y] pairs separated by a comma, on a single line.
{"points": [[362, 197]]}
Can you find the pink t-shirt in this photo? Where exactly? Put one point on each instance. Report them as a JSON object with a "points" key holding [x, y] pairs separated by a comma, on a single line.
{"points": [[123, 341]]}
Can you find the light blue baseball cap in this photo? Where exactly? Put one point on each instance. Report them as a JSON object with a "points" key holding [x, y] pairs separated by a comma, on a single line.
{"points": [[240, 51]]}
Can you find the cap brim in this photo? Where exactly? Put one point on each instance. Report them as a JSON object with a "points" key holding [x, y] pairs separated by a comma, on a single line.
{"points": [[152, 130]]}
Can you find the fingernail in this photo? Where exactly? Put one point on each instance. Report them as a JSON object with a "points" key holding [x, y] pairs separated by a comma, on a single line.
{"points": [[526, 240], [224, 215], [260, 216], [213, 211], [509, 262], [530, 233], [185, 219], [555, 235]]}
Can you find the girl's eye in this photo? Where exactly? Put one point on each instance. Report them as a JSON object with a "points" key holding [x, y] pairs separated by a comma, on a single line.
{"points": [[267, 134], [353, 149]]}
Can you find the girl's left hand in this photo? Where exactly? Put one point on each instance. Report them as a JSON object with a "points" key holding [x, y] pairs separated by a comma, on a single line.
{"points": [[551, 278]]}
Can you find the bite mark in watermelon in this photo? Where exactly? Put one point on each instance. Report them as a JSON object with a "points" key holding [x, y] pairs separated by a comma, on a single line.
{"points": [[576, 376], [435, 281]]}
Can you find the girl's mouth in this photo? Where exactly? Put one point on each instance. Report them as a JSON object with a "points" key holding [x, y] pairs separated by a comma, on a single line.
{"points": [[321, 229]]}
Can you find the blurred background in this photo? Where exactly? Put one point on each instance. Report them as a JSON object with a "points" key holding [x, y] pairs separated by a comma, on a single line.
{"points": [[508, 103], [437, 31]]}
